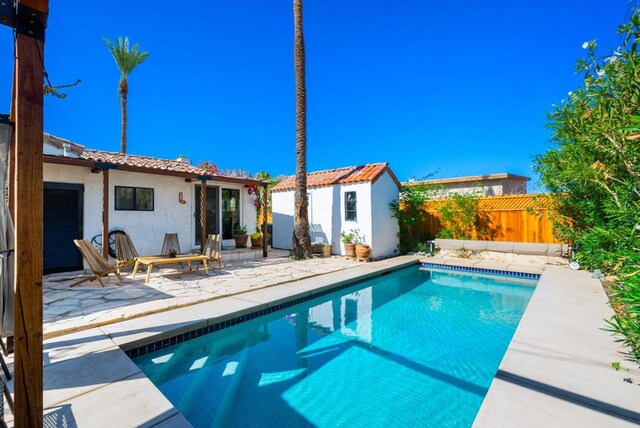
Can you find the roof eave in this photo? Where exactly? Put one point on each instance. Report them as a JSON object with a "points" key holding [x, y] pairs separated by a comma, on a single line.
{"points": [[87, 163]]}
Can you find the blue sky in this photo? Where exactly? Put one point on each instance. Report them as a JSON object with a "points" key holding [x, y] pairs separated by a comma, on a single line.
{"points": [[455, 87]]}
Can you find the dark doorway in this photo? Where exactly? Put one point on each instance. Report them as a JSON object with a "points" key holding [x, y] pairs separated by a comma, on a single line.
{"points": [[212, 212], [62, 224], [230, 212]]}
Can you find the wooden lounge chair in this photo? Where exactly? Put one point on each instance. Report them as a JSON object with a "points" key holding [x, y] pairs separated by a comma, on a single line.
{"points": [[98, 265], [126, 252], [170, 243], [212, 249]]}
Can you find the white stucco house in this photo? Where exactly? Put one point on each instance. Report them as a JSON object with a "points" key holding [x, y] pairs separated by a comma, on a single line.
{"points": [[144, 196], [481, 185], [341, 200]]}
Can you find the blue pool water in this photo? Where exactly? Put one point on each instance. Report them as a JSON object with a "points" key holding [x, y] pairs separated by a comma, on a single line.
{"points": [[414, 348]]}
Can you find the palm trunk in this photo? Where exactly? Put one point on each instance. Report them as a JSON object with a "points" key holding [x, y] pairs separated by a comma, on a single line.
{"points": [[301, 242], [124, 91]]}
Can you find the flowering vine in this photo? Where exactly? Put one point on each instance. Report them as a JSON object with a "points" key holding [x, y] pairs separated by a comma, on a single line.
{"points": [[208, 168]]}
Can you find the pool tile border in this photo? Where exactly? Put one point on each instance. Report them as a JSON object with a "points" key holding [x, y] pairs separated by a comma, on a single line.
{"points": [[481, 270], [193, 334], [183, 337]]}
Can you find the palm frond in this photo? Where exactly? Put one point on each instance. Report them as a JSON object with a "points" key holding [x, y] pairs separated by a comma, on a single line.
{"points": [[127, 59]]}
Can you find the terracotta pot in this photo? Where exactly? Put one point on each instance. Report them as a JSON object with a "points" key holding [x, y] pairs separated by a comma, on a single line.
{"points": [[363, 251], [350, 250], [241, 240], [256, 243]]}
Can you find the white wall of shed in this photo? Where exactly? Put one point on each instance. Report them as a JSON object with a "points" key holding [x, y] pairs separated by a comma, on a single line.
{"points": [[385, 237]]}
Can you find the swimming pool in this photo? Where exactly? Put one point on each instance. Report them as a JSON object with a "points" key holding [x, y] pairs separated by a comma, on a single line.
{"points": [[417, 347]]}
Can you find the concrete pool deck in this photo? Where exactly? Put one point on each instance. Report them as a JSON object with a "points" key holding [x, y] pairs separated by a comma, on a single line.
{"points": [[556, 372]]}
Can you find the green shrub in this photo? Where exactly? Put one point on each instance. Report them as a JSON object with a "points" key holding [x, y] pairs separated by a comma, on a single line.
{"points": [[593, 173], [459, 217]]}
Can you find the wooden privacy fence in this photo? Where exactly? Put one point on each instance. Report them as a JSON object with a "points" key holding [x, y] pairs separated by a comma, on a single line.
{"points": [[511, 218]]}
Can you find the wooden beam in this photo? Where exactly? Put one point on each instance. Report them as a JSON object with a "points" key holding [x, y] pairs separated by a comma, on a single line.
{"points": [[105, 213], [39, 5], [265, 206], [28, 238], [203, 214], [11, 164]]}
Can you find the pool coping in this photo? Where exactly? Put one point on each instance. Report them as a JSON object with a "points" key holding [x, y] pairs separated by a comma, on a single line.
{"points": [[91, 366], [557, 369]]}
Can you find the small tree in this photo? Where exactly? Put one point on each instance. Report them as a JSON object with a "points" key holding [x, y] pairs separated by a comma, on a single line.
{"points": [[409, 210], [459, 217]]}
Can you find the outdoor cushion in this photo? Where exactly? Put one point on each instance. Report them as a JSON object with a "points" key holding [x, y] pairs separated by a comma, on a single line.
{"points": [[530, 248], [449, 244], [473, 245], [501, 247], [556, 250]]}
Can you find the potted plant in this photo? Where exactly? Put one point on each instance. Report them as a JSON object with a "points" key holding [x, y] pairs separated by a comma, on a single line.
{"points": [[362, 249], [172, 253], [240, 236], [348, 239], [256, 239]]}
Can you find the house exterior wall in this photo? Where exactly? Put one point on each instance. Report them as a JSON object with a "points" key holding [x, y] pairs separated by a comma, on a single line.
{"points": [[327, 215], [484, 188], [146, 228], [385, 239]]}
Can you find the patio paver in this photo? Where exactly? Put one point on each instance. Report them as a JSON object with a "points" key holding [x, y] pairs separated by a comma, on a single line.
{"points": [[70, 309]]}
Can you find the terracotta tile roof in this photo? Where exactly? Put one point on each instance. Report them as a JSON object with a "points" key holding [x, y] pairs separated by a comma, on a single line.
{"points": [[140, 161], [81, 156], [345, 175], [501, 203]]}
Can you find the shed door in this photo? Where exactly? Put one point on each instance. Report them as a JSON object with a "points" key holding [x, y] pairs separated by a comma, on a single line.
{"points": [[62, 224]]}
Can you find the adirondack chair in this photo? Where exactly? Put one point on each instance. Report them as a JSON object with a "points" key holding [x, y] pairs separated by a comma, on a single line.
{"points": [[212, 249], [98, 265], [126, 252]]}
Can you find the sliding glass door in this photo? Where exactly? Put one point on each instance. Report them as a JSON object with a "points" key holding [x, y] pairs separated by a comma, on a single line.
{"points": [[230, 212]]}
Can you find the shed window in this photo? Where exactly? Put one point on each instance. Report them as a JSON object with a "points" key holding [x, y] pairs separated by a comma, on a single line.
{"points": [[350, 206], [133, 198]]}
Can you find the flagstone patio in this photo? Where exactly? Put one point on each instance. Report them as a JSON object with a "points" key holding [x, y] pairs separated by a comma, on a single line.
{"points": [[89, 305]]}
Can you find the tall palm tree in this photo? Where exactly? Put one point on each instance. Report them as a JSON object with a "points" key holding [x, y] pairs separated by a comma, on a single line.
{"points": [[301, 242], [126, 60]]}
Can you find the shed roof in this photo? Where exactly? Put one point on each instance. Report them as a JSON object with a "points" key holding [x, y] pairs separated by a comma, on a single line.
{"points": [[345, 175]]}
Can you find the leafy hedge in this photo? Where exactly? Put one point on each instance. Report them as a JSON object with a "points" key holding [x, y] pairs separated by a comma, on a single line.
{"points": [[593, 173]]}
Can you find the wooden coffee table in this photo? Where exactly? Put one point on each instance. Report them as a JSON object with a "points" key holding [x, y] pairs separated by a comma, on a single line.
{"points": [[150, 261]]}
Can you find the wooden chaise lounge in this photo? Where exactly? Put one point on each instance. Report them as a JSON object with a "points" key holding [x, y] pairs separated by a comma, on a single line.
{"points": [[126, 252], [98, 264], [212, 249]]}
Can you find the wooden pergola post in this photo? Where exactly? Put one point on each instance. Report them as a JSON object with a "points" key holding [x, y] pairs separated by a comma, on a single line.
{"points": [[105, 213], [11, 166], [265, 214], [203, 213], [28, 108]]}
